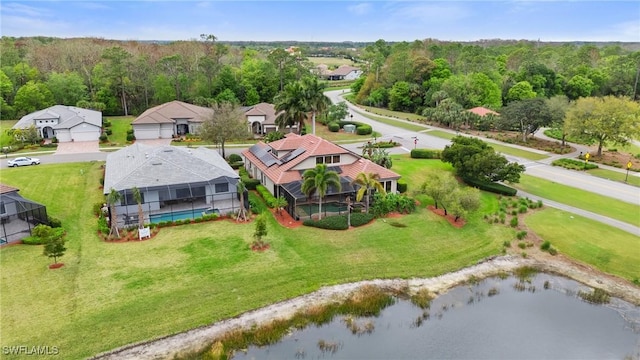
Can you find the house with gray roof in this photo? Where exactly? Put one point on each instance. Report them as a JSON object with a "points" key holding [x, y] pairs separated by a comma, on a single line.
{"points": [[66, 123], [174, 182], [166, 121], [18, 215], [344, 72], [261, 118]]}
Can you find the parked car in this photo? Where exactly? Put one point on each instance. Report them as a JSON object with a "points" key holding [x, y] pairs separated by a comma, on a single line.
{"points": [[23, 161]]}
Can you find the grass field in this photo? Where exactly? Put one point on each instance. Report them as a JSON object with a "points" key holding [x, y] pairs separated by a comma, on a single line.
{"points": [[119, 127], [609, 249], [632, 179], [330, 61], [396, 123], [111, 294], [582, 199]]}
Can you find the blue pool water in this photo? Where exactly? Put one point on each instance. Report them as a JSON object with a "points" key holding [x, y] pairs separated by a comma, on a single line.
{"points": [[176, 215]]}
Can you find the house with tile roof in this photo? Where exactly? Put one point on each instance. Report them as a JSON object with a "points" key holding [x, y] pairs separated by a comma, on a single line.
{"points": [[344, 72], [482, 111], [261, 118], [18, 215], [175, 182], [166, 121], [279, 166], [65, 123]]}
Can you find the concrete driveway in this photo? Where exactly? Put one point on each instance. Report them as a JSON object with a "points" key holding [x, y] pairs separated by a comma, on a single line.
{"points": [[155, 142], [77, 147]]}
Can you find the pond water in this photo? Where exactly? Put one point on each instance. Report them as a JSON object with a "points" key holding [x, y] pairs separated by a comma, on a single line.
{"points": [[493, 319]]}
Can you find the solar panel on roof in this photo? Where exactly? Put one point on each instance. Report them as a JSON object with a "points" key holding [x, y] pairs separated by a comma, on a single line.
{"points": [[292, 155], [263, 155]]}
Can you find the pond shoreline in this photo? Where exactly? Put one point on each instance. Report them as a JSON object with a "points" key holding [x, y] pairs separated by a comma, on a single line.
{"points": [[196, 339]]}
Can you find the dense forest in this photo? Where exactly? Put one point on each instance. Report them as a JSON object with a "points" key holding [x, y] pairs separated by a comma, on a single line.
{"points": [[127, 77]]}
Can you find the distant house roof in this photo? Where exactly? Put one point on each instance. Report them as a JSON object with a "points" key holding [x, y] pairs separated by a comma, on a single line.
{"points": [[482, 111], [67, 116], [144, 166], [263, 109], [343, 70], [280, 169], [171, 111]]}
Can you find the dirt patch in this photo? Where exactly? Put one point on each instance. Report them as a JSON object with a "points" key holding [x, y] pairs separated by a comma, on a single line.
{"points": [[193, 340], [450, 218], [285, 219], [56, 266]]}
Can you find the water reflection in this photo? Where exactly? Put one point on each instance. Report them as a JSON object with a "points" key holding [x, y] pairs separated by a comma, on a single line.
{"points": [[538, 318]]}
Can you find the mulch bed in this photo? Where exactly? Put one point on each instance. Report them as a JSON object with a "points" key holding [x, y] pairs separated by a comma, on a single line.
{"points": [[56, 266], [285, 219], [450, 218]]}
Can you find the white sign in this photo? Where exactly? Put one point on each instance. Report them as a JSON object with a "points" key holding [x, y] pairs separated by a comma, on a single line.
{"points": [[144, 232]]}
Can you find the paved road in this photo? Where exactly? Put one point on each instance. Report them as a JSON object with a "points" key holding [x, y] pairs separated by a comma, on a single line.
{"points": [[613, 189]]}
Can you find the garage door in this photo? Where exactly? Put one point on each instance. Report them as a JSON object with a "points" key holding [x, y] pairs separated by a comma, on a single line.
{"points": [[166, 131], [85, 132], [145, 132]]}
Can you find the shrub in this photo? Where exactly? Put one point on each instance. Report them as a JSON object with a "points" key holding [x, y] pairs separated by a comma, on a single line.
{"points": [[337, 222], [364, 130], [130, 131], [514, 222], [269, 199], [234, 158], [425, 154], [257, 204], [334, 127], [54, 222], [106, 123], [237, 165], [521, 235], [491, 187], [523, 209], [359, 219], [130, 137], [402, 186], [574, 164], [522, 245], [42, 234], [273, 136], [54, 140], [506, 243], [103, 137], [108, 131], [545, 245]]}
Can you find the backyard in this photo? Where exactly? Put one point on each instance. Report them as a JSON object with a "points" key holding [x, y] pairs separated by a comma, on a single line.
{"points": [[112, 294]]}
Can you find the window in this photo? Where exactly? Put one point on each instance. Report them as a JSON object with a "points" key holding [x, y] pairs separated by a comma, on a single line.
{"points": [[319, 160], [222, 188], [387, 186], [128, 199], [329, 159], [336, 159]]}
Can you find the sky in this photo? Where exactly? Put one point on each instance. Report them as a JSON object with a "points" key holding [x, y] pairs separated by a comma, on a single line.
{"points": [[335, 21]]}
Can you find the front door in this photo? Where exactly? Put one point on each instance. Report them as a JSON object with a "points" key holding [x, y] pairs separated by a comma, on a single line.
{"points": [[48, 132], [182, 129]]}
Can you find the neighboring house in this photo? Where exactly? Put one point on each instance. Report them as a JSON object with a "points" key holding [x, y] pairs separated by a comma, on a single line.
{"points": [[166, 121], [175, 182], [261, 118], [482, 111], [279, 166], [18, 216], [344, 72], [66, 123]]}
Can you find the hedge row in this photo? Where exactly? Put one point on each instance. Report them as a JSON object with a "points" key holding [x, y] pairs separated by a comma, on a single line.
{"points": [[574, 164], [491, 187], [339, 222], [249, 183], [425, 154], [257, 204], [361, 128], [269, 199]]}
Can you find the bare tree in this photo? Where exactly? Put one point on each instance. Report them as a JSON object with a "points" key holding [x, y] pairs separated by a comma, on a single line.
{"points": [[227, 123]]}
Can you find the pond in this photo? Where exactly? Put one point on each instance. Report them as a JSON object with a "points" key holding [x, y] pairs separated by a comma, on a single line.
{"points": [[542, 318]]}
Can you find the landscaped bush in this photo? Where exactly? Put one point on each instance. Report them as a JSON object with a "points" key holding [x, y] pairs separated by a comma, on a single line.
{"points": [[337, 222], [54, 222], [234, 158], [250, 183], [359, 219], [492, 187], [364, 130], [385, 144], [103, 137], [514, 222], [257, 204], [269, 199], [43, 233], [106, 123], [236, 165], [108, 131], [334, 127], [130, 137], [574, 164], [402, 186], [425, 154], [384, 204]]}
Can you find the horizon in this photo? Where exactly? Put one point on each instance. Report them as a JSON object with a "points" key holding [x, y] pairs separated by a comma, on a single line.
{"points": [[325, 21]]}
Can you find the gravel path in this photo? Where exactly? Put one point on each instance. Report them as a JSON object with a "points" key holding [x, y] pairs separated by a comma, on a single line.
{"points": [[195, 339]]}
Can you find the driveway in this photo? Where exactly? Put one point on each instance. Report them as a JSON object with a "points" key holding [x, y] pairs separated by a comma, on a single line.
{"points": [[155, 142], [77, 147]]}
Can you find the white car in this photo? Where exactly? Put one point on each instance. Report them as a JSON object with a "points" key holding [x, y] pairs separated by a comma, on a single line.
{"points": [[23, 161]]}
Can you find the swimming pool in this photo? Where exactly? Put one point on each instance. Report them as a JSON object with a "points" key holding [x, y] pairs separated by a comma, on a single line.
{"points": [[176, 215]]}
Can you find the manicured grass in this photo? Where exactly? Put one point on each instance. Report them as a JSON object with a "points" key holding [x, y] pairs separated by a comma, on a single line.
{"points": [[632, 179], [119, 127], [395, 114], [414, 171], [609, 249], [340, 136], [111, 294], [582, 199], [498, 147], [330, 61], [6, 125], [396, 123]]}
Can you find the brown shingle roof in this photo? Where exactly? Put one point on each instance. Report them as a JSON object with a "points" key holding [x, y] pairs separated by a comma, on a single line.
{"points": [[7, 189], [169, 112], [343, 70], [263, 109]]}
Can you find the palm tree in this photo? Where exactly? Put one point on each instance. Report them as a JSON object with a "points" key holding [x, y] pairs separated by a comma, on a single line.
{"points": [[318, 180], [242, 214], [367, 182], [113, 198], [138, 198], [315, 99], [292, 103]]}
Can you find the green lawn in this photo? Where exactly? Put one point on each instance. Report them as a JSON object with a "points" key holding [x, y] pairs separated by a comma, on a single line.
{"points": [[609, 249], [330, 61], [498, 147], [119, 127], [6, 125], [632, 179], [108, 294], [582, 199], [401, 124]]}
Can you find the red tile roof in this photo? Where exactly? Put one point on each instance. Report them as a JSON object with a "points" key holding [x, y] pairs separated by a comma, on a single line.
{"points": [[314, 146], [482, 111]]}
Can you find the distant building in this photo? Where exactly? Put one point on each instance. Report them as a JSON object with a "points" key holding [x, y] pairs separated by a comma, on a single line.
{"points": [[175, 118], [344, 72], [65, 123]]}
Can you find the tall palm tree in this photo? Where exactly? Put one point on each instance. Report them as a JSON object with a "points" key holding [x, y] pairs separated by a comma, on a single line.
{"points": [[137, 196], [292, 103], [242, 214], [367, 182], [318, 180], [315, 99], [113, 198]]}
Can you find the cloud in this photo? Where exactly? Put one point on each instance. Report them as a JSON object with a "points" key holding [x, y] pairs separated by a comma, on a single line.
{"points": [[22, 9], [93, 5], [430, 13], [360, 9]]}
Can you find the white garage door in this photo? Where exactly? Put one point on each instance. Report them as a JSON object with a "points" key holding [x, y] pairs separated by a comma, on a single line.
{"points": [[63, 135], [166, 131], [85, 132], [145, 132]]}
